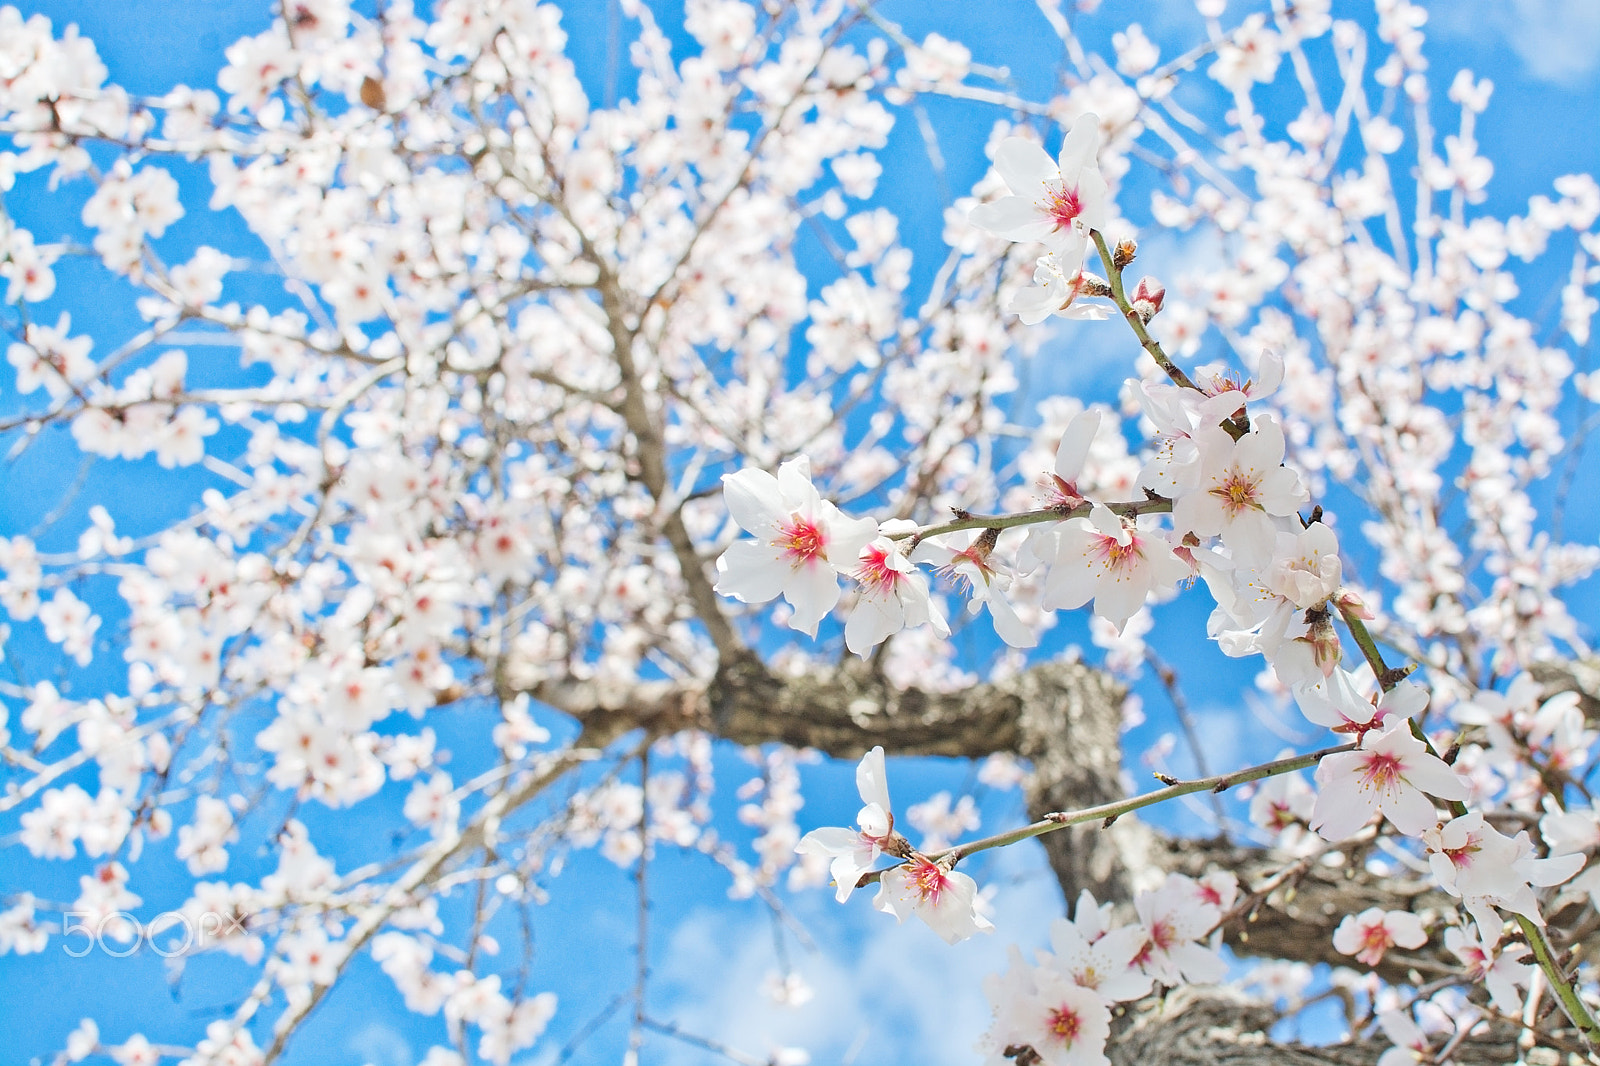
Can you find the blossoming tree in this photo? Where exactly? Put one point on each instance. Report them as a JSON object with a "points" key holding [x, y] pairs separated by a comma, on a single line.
{"points": [[563, 418]]}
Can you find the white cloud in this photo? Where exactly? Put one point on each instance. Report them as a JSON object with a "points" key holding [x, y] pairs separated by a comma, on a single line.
{"points": [[880, 989], [379, 1045], [1557, 40]]}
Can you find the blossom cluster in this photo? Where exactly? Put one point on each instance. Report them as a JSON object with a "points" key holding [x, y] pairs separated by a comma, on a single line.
{"points": [[462, 466]]}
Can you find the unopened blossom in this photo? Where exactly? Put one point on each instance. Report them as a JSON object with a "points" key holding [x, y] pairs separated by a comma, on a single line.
{"points": [[853, 852], [894, 596], [1374, 931], [1475, 862], [1146, 298], [1243, 486], [1111, 561], [966, 558], [1392, 775], [943, 898], [803, 543], [1055, 202]]}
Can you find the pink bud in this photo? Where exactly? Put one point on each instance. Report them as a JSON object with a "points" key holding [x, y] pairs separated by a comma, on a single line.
{"points": [[1349, 601], [1147, 298]]}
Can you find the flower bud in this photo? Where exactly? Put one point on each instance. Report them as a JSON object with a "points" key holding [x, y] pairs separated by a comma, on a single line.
{"points": [[1349, 602], [1124, 253], [1147, 298]]}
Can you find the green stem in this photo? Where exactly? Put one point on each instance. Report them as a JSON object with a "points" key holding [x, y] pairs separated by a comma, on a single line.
{"points": [[1120, 298], [1574, 1008], [1563, 987], [1369, 647], [1029, 518], [1109, 812]]}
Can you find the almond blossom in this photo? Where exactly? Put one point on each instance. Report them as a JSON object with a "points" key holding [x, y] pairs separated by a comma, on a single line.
{"points": [[945, 899], [1243, 487], [1111, 561], [803, 543], [1055, 202], [1392, 775], [1374, 931], [971, 566], [894, 596], [1064, 1023], [854, 852], [1500, 969], [1174, 918], [1485, 869], [1058, 282], [1104, 961]]}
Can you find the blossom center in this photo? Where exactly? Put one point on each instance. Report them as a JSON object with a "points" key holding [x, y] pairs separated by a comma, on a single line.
{"points": [[1064, 1023], [1465, 855], [1063, 205], [1375, 938], [801, 540], [877, 577], [1382, 771], [929, 880], [1237, 492], [1118, 556]]}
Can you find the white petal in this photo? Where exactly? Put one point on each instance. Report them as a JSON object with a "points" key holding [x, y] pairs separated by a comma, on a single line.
{"points": [[1008, 626], [1015, 219], [1075, 443], [1082, 144], [753, 500], [811, 589], [750, 572], [872, 780], [1025, 166], [794, 482]]}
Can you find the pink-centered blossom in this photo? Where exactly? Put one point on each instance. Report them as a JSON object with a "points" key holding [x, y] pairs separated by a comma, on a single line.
{"points": [[852, 852], [894, 596], [965, 558], [1477, 863], [1111, 561], [1374, 931], [1065, 1023], [1501, 971], [1174, 918], [1392, 775], [803, 543], [1243, 486], [943, 898], [1055, 202]]}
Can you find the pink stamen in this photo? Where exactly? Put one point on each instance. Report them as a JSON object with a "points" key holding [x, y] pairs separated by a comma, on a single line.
{"points": [[1063, 206], [1064, 1023], [801, 540], [875, 573]]}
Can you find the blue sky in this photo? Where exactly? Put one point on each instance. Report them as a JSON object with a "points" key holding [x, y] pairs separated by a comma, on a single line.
{"points": [[880, 988]]}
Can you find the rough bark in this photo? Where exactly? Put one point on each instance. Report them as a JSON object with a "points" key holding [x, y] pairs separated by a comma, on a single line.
{"points": [[1215, 1027], [1064, 718]]}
